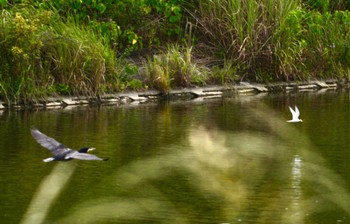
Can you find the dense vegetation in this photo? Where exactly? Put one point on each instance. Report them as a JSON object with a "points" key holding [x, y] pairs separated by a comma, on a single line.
{"points": [[93, 47]]}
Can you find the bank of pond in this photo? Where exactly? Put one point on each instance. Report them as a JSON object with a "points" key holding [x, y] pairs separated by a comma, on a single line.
{"points": [[134, 97]]}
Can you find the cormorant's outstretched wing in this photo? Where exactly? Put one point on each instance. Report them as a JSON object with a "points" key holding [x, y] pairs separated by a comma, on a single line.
{"points": [[83, 156], [51, 144]]}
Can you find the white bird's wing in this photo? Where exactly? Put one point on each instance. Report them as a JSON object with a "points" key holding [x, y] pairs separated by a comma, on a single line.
{"points": [[297, 112], [292, 111]]}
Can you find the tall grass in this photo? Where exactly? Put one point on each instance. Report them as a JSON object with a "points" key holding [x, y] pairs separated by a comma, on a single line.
{"points": [[311, 44], [242, 31], [329, 36], [269, 40], [78, 58]]}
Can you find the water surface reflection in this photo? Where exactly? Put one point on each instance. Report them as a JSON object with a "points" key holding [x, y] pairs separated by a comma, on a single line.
{"points": [[231, 160]]}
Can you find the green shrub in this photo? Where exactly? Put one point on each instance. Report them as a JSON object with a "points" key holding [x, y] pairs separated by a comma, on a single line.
{"points": [[43, 56], [154, 21], [21, 73], [135, 22]]}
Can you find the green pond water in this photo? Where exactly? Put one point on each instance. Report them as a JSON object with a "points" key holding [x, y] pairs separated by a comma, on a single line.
{"points": [[224, 160]]}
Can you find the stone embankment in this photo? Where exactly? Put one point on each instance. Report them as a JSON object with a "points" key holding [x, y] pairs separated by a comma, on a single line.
{"points": [[184, 93]]}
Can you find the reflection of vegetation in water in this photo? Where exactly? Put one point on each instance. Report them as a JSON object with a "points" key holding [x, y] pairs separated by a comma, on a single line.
{"points": [[48, 192], [269, 176]]}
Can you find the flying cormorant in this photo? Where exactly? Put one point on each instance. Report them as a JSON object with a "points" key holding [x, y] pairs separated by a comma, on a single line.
{"points": [[61, 152]]}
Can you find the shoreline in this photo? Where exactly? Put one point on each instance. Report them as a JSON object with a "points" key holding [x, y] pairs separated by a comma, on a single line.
{"points": [[179, 93]]}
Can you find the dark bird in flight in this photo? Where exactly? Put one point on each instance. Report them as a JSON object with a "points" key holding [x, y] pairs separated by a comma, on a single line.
{"points": [[61, 152]]}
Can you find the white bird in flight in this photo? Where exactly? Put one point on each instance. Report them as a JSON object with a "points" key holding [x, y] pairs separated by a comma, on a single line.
{"points": [[295, 115]]}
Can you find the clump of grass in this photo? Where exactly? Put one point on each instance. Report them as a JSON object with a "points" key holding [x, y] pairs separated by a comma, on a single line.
{"points": [[225, 74], [174, 68], [158, 74]]}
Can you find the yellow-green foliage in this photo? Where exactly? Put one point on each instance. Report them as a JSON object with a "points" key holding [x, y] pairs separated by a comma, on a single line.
{"points": [[20, 53], [158, 73], [174, 68], [43, 56]]}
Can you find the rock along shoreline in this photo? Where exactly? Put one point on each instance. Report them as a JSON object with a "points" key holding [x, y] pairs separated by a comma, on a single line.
{"points": [[183, 93]]}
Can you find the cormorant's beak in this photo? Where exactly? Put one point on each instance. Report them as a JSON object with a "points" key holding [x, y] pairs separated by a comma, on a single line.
{"points": [[90, 149]]}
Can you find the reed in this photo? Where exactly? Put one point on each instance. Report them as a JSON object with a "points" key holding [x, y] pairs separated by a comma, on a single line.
{"points": [[243, 31], [267, 40]]}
